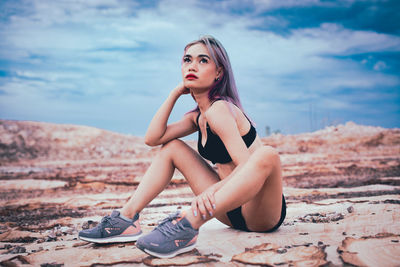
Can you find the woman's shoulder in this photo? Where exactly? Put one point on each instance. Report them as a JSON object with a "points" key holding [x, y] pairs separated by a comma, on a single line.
{"points": [[223, 106], [220, 110], [219, 104], [224, 111]]}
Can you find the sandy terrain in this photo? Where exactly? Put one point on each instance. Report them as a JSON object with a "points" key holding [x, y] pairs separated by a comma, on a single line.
{"points": [[342, 186]]}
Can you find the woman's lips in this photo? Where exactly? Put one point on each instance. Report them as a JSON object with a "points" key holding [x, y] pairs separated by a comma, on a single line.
{"points": [[191, 77]]}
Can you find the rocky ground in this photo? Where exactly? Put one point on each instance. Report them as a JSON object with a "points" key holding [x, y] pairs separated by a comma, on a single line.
{"points": [[342, 186]]}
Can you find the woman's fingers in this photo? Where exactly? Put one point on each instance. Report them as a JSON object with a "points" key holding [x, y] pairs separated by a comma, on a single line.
{"points": [[181, 89], [186, 91], [198, 207], [194, 207], [207, 200], [201, 207], [204, 204], [212, 200]]}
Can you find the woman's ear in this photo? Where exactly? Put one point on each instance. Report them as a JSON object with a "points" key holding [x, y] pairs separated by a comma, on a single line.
{"points": [[220, 73]]}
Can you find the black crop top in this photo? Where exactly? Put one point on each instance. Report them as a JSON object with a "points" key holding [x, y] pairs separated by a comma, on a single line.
{"points": [[215, 150]]}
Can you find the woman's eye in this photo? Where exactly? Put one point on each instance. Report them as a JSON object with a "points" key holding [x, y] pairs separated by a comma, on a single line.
{"points": [[186, 59], [203, 60]]}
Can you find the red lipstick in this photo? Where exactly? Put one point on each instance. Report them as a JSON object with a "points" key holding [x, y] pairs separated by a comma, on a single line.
{"points": [[191, 76]]}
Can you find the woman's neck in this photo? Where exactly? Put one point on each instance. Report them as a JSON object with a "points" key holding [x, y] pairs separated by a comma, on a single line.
{"points": [[202, 101]]}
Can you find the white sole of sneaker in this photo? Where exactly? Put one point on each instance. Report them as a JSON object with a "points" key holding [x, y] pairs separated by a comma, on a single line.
{"points": [[114, 239], [171, 255]]}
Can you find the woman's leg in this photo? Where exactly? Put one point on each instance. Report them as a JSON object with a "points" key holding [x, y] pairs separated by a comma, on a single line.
{"points": [[175, 154], [257, 185]]}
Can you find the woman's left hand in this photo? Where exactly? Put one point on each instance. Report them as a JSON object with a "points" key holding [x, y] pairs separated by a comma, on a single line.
{"points": [[205, 203]]}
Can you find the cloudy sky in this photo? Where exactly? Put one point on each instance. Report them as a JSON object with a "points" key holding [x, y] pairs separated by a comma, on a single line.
{"points": [[299, 65]]}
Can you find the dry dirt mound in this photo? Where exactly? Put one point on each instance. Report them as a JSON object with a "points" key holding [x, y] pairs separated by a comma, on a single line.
{"points": [[349, 137], [25, 140]]}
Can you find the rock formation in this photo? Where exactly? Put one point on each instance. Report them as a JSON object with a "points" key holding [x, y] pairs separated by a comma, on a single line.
{"points": [[341, 184]]}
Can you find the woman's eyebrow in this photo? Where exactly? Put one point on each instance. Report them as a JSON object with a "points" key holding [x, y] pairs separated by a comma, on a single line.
{"points": [[201, 55], [204, 56]]}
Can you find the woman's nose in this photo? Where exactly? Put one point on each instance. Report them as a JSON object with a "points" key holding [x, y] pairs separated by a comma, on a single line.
{"points": [[193, 66]]}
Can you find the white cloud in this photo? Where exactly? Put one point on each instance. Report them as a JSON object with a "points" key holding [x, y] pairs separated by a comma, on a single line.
{"points": [[113, 50], [263, 5], [380, 65]]}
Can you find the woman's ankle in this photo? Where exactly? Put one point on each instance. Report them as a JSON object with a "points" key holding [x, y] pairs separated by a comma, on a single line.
{"points": [[128, 213], [195, 221]]}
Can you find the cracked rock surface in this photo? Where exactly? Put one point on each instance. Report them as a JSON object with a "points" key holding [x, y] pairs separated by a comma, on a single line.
{"points": [[341, 184]]}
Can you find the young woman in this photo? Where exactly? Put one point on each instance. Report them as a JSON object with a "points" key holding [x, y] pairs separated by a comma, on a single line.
{"points": [[246, 190]]}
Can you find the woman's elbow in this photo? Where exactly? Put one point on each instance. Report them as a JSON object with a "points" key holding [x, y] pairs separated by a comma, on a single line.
{"points": [[150, 141]]}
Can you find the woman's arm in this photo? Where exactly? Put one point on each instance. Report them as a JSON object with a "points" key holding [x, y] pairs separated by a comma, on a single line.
{"points": [[159, 132], [223, 123]]}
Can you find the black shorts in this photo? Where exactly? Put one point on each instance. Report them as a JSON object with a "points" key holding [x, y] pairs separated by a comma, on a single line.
{"points": [[238, 222]]}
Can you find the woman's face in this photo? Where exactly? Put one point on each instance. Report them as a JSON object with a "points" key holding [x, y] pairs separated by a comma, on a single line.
{"points": [[198, 69]]}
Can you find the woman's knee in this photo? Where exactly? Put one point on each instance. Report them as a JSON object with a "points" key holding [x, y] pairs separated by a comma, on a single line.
{"points": [[267, 156], [171, 147]]}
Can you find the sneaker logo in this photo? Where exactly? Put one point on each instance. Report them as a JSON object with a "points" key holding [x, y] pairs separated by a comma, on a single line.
{"points": [[179, 241], [108, 230]]}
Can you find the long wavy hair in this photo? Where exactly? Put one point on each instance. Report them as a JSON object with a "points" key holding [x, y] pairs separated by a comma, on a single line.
{"points": [[225, 88]]}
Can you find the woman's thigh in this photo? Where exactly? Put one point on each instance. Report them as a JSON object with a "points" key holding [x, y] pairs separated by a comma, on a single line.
{"points": [[199, 174], [263, 211]]}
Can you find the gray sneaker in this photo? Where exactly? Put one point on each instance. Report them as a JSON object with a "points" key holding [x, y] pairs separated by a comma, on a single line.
{"points": [[173, 236], [113, 229]]}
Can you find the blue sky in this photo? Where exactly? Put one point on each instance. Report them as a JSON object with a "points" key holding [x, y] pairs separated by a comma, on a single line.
{"points": [[299, 65]]}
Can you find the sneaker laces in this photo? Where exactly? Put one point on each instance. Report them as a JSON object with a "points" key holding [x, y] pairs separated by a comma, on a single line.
{"points": [[107, 219], [170, 229]]}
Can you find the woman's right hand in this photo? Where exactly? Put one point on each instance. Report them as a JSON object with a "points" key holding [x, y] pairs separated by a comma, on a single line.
{"points": [[205, 203], [180, 89]]}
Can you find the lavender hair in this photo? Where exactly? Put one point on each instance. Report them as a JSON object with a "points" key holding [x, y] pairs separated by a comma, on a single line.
{"points": [[225, 88]]}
